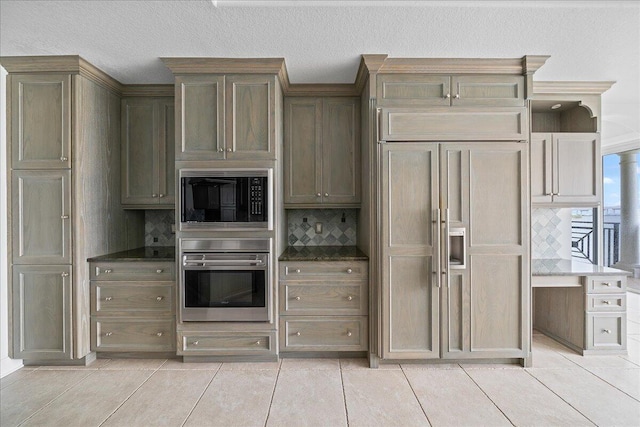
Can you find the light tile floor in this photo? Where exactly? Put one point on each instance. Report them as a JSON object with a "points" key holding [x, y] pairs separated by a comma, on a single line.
{"points": [[561, 389]]}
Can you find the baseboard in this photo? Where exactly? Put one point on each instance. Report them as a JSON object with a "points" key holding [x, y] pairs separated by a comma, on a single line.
{"points": [[8, 365]]}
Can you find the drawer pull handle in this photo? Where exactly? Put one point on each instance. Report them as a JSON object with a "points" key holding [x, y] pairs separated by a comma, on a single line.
{"points": [[108, 334], [159, 270], [107, 270], [607, 284], [297, 270], [159, 299], [159, 334], [606, 302], [606, 331], [349, 298], [108, 298], [349, 271], [298, 298], [349, 333], [258, 342], [64, 216], [195, 343], [298, 333]]}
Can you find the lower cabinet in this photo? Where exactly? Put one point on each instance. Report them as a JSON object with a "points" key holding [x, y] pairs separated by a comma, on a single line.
{"points": [[606, 314], [323, 306], [134, 315], [231, 343]]}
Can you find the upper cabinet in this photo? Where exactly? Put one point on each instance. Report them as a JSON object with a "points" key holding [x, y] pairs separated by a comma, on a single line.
{"points": [[322, 150], [226, 117], [427, 90], [148, 152], [40, 121]]}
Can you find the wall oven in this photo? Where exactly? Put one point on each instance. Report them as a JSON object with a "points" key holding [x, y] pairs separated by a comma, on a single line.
{"points": [[215, 199], [225, 280]]}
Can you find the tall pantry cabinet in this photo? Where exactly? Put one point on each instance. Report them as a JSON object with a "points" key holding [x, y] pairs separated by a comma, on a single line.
{"points": [[64, 129], [449, 163]]}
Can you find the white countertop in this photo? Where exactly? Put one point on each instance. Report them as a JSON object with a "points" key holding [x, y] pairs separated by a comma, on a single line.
{"points": [[567, 267]]}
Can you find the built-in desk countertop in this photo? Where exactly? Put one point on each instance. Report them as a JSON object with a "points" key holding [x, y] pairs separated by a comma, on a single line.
{"points": [[567, 267]]}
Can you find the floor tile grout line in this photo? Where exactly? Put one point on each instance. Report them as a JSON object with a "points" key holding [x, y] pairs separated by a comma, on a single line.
{"points": [[273, 393], [215, 374], [488, 397], [561, 398], [344, 393], [133, 392], [404, 374], [613, 385], [58, 396]]}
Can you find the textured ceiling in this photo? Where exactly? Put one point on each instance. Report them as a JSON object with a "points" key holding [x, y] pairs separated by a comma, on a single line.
{"points": [[322, 41]]}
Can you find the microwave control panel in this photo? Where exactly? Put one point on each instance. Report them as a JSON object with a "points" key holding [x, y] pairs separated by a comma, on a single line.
{"points": [[256, 199]]}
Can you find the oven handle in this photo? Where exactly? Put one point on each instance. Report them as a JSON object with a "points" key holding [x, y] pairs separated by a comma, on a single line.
{"points": [[222, 262]]}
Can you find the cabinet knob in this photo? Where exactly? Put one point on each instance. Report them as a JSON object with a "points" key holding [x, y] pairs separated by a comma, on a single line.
{"points": [[457, 96], [64, 216], [447, 96], [159, 334], [195, 343], [159, 270], [65, 274], [107, 270], [349, 271], [298, 333], [349, 333], [326, 194], [108, 298], [108, 334], [154, 195], [298, 298], [606, 331], [318, 194], [349, 298], [159, 299], [161, 195], [607, 284], [606, 302], [297, 270], [221, 149], [229, 150], [258, 342], [63, 159]]}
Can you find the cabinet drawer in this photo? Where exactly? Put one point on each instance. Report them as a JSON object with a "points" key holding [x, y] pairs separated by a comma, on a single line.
{"points": [[226, 343], [133, 271], [606, 302], [606, 284], [607, 331], [323, 298], [133, 335], [132, 298], [314, 270], [307, 333]]}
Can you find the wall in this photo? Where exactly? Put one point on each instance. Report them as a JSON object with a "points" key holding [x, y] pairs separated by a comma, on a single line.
{"points": [[339, 227], [7, 365], [551, 233]]}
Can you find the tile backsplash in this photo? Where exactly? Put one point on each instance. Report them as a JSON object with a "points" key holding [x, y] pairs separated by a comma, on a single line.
{"points": [[157, 225], [339, 227], [551, 233]]}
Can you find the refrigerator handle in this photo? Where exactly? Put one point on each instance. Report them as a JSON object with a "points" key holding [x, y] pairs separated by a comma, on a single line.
{"points": [[446, 249], [437, 259]]}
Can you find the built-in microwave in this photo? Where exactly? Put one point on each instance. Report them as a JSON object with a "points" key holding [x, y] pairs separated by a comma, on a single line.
{"points": [[226, 199]]}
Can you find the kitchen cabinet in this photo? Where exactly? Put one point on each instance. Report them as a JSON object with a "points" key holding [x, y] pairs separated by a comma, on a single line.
{"points": [[133, 306], [41, 303], [148, 152], [40, 121], [454, 249], [427, 90], [323, 306], [566, 169], [225, 117], [322, 152]]}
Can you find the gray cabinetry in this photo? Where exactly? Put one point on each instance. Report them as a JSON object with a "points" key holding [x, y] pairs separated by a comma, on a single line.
{"points": [[323, 306], [454, 249], [41, 304], [606, 314], [133, 306], [40, 121], [148, 152], [225, 117], [322, 151], [565, 169]]}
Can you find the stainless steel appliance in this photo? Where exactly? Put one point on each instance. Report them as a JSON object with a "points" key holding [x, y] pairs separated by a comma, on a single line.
{"points": [[226, 199], [225, 279]]}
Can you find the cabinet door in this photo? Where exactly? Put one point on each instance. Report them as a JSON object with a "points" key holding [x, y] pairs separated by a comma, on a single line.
{"points": [[139, 151], [341, 151], [200, 117], [40, 217], [419, 90], [577, 168], [303, 151], [484, 303], [167, 153], [41, 301], [40, 121], [250, 117], [410, 251], [491, 91], [541, 174]]}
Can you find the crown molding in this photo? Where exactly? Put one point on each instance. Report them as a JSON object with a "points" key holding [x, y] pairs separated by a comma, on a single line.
{"points": [[322, 90], [148, 90], [224, 65], [573, 87], [457, 65]]}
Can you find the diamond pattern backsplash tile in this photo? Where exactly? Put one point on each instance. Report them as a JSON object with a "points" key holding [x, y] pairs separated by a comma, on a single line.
{"points": [[339, 227], [157, 224], [546, 233]]}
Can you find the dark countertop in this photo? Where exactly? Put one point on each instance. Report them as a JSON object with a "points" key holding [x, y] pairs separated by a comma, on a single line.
{"points": [[147, 253], [323, 253], [567, 267]]}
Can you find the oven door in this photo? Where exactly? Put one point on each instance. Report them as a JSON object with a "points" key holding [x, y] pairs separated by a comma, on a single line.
{"points": [[225, 287]]}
